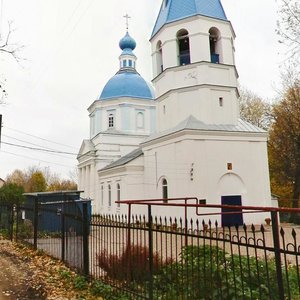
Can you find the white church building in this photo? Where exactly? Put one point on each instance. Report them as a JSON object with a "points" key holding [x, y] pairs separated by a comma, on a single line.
{"points": [[183, 137]]}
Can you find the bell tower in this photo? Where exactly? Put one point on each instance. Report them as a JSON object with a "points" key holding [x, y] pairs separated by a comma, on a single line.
{"points": [[193, 63]]}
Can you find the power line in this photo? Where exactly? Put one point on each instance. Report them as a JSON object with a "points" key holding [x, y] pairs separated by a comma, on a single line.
{"points": [[39, 160], [40, 138], [38, 149]]}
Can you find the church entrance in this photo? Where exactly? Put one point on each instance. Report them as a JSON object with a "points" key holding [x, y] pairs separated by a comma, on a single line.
{"points": [[232, 219]]}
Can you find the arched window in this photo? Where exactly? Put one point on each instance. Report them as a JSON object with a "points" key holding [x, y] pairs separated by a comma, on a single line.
{"points": [[165, 189], [183, 47], [118, 193], [111, 121], [140, 120], [214, 43], [160, 66], [109, 195]]}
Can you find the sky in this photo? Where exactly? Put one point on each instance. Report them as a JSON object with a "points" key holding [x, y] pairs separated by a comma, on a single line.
{"points": [[71, 51]]}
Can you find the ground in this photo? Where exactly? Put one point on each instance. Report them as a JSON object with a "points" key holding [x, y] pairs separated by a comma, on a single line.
{"points": [[31, 275]]}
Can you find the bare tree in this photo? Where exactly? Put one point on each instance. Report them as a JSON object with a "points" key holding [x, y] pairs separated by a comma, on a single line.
{"points": [[288, 26], [7, 47]]}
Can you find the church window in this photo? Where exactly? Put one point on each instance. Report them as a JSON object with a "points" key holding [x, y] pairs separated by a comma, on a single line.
{"points": [[118, 193], [111, 121], [165, 189], [130, 63], [109, 195], [221, 102], [124, 63], [183, 47], [164, 108], [140, 120], [160, 66], [214, 43], [166, 2]]}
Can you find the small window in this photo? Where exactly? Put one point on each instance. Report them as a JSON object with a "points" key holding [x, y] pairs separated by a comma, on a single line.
{"points": [[118, 193], [109, 195], [166, 2], [140, 120], [164, 108], [130, 63], [124, 63], [165, 189], [111, 121], [221, 102]]}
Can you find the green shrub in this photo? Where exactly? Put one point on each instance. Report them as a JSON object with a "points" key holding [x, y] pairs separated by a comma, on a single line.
{"points": [[211, 273], [80, 283]]}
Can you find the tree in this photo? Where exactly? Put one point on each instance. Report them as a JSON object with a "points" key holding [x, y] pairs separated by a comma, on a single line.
{"points": [[37, 182], [12, 193], [284, 143], [7, 47], [254, 109], [35, 179], [288, 26], [62, 185]]}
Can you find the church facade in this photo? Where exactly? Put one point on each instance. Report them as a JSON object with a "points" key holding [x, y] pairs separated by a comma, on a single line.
{"points": [[184, 137]]}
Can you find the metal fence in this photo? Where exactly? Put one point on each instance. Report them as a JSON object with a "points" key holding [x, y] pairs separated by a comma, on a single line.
{"points": [[152, 257], [6, 220], [149, 257], [56, 224]]}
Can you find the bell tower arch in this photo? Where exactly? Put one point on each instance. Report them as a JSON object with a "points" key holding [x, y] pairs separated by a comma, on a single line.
{"points": [[193, 64]]}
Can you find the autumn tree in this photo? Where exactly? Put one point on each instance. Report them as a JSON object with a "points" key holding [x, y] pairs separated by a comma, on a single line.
{"points": [[62, 185], [284, 144], [254, 109], [37, 182], [35, 179]]}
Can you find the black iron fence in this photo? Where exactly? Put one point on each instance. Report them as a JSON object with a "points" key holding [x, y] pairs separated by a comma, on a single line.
{"points": [[151, 257]]}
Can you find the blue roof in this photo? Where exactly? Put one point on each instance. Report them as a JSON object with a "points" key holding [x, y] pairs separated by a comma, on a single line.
{"points": [[180, 9], [127, 42], [127, 84]]}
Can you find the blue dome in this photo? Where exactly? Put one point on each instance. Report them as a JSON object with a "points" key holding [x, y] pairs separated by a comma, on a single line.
{"points": [[127, 84], [127, 42]]}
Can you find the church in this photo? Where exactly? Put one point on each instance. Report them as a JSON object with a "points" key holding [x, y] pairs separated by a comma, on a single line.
{"points": [[182, 135]]}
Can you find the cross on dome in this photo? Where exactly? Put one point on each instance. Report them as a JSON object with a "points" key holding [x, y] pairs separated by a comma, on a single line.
{"points": [[127, 17]]}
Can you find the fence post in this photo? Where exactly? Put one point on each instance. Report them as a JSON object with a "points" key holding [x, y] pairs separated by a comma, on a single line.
{"points": [[276, 241], [35, 221], [150, 252], [85, 239], [62, 229], [11, 222]]}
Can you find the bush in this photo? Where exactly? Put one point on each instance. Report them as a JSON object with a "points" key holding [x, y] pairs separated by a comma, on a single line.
{"points": [[210, 273], [132, 264]]}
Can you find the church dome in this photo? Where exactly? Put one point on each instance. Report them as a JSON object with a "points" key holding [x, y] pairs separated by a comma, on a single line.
{"points": [[127, 84], [127, 42]]}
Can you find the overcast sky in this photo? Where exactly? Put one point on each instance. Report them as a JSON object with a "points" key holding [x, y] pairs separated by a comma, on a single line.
{"points": [[71, 51]]}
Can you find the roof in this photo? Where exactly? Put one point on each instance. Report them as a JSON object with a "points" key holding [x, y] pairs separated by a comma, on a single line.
{"points": [[125, 159], [174, 10], [127, 84], [191, 123]]}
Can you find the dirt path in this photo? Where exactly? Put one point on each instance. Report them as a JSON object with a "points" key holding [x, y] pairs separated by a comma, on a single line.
{"points": [[16, 278]]}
